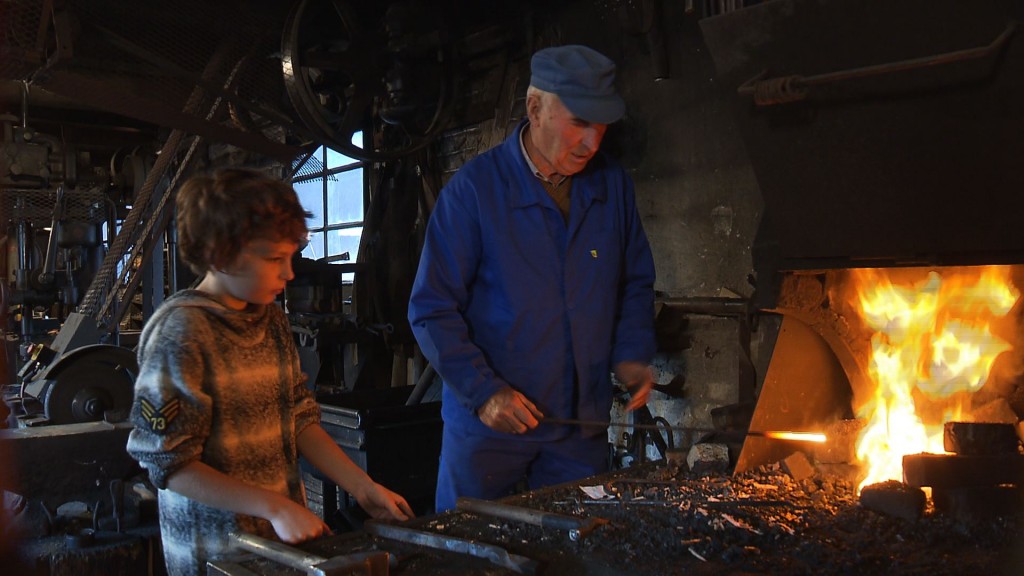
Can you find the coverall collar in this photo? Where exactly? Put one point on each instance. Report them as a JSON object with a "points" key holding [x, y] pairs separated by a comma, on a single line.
{"points": [[528, 190]]}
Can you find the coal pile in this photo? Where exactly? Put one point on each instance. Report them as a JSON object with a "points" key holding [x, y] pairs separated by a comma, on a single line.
{"points": [[665, 520]]}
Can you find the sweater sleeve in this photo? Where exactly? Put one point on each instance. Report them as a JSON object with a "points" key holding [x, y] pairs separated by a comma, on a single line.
{"points": [[305, 410], [171, 412]]}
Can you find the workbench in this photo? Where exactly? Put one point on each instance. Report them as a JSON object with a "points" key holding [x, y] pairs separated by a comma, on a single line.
{"points": [[663, 520], [503, 547]]}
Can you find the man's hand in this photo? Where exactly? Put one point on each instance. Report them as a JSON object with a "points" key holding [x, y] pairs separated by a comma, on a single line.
{"points": [[638, 380], [510, 412]]}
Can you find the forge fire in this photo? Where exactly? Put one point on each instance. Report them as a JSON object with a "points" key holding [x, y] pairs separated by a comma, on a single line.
{"points": [[935, 337]]}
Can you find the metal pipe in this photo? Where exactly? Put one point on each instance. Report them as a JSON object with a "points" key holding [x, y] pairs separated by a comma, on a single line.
{"points": [[50, 261], [710, 306], [926, 61], [791, 88], [575, 526], [24, 104], [360, 563], [422, 385], [24, 251], [776, 434], [491, 552]]}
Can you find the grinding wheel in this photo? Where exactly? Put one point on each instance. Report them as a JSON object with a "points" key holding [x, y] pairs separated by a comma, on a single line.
{"points": [[88, 382]]}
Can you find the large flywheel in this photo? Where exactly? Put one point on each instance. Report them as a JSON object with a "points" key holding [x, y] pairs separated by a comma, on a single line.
{"points": [[348, 71]]}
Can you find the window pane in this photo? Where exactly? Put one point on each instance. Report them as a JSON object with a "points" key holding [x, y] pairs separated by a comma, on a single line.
{"points": [[345, 197], [344, 240], [311, 195], [336, 159], [315, 249], [341, 241]]}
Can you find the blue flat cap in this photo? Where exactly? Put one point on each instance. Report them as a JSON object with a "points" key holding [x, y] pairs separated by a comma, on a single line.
{"points": [[583, 78]]}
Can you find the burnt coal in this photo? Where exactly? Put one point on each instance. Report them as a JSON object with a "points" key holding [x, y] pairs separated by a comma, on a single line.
{"points": [[972, 438], [669, 521], [895, 499]]}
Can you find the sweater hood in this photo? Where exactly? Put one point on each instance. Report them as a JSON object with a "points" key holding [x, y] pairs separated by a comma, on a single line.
{"points": [[238, 327]]}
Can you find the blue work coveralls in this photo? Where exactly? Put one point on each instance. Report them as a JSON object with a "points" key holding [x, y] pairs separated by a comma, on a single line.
{"points": [[509, 294]]}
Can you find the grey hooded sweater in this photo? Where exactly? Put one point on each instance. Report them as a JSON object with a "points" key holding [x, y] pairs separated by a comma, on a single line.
{"points": [[222, 387]]}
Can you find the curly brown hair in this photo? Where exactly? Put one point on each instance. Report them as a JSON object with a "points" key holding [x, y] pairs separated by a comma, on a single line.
{"points": [[219, 214]]}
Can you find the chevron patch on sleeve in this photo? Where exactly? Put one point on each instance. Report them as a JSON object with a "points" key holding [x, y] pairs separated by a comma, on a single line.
{"points": [[159, 419]]}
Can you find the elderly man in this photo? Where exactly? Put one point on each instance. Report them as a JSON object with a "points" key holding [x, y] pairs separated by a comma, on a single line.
{"points": [[535, 283]]}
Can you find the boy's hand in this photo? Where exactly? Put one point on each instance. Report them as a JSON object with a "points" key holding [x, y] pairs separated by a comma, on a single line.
{"points": [[323, 452], [294, 523], [383, 504]]}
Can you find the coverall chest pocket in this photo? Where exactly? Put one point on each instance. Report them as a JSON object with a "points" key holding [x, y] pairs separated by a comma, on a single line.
{"points": [[599, 253]]}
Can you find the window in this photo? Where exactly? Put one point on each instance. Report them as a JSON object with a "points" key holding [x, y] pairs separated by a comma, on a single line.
{"points": [[332, 187]]}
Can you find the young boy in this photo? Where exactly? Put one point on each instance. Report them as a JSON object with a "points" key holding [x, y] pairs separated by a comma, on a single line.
{"points": [[221, 412]]}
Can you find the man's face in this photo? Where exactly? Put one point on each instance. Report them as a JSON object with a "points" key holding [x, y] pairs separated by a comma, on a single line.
{"points": [[259, 274], [566, 143]]}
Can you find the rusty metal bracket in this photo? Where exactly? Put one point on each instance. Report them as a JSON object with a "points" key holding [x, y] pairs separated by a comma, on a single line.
{"points": [[770, 91]]}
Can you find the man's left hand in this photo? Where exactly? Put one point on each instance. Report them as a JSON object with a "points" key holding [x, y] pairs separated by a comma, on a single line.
{"points": [[638, 380]]}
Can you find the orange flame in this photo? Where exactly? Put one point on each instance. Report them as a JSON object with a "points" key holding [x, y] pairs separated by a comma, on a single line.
{"points": [[931, 349]]}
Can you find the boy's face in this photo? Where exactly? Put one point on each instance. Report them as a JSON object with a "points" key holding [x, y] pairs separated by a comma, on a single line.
{"points": [[257, 275]]}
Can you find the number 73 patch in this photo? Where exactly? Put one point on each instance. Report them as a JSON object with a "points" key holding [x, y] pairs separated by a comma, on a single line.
{"points": [[159, 419]]}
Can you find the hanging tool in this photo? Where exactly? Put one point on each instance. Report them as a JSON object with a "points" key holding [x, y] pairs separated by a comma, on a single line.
{"points": [[577, 527], [117, 502], [371, 563], [645, 421], [776, 434], [495, 554]]}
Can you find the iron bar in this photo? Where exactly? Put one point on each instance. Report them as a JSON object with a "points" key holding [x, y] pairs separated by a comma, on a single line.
{"points": [[811, 436]]}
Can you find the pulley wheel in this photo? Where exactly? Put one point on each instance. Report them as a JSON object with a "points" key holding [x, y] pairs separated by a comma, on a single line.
{"points": [[337, 76]]}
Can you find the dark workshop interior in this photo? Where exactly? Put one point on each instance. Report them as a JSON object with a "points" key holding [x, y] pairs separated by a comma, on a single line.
{"points": [[832, 190]]}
